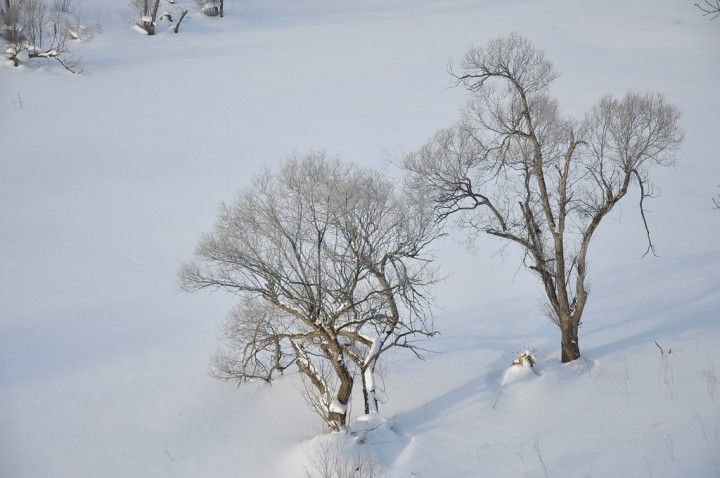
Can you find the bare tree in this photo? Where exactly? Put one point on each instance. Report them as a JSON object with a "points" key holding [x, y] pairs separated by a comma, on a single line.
{"points": [[148, 10], [39, 30], [710, 7], [513, 167], [330, 264], [14, 30], [716, 202]]}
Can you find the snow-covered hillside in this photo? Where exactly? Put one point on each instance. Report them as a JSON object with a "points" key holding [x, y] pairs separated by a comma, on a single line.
{"points": [[107, 180]]}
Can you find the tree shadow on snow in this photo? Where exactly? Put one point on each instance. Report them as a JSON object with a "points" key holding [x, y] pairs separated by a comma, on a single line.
{"points": [[480, 389]]}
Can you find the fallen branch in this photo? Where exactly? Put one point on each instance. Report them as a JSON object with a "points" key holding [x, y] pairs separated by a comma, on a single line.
{"points": [[175, 28]]}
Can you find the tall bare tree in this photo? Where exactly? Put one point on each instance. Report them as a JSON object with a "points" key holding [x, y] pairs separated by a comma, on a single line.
{"points": [[330, 265], [513, 167]]}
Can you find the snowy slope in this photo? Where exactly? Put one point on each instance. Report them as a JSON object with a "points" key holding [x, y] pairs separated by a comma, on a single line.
{"points": [[107, 180]]}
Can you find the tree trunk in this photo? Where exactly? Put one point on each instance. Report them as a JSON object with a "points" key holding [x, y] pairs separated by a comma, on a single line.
{"points": [[376, 344], [148, 20], [569, 345], [337, 415], [368, 384], [222, 3], [366, 395], [153, 15], [367, 372], [7, 15], [176, 27]]}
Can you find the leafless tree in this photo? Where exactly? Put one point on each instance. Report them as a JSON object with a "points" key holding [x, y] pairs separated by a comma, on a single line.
{"points": [[513, 167], [716, 202], [14, 30], [41, 30], [329, 261], [710, 7], [148, 10]]}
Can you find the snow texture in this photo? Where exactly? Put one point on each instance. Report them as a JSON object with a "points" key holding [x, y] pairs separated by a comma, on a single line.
{"points": [[337, 407], [103, 363]]}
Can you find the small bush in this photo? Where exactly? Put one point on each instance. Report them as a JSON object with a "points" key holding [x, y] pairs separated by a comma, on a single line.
{"points": [[328, 458]]}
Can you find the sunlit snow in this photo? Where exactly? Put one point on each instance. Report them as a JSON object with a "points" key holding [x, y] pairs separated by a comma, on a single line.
{"points": [[107, 180]]}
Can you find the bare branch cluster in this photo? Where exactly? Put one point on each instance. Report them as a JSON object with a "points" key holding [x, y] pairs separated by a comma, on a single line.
{"points": [[37, 29], [331, 267], [329, 459], [710, 7], [514, 167]]}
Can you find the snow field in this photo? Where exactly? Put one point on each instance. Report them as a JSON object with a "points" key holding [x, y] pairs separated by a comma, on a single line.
{"points": [[107, 180]]}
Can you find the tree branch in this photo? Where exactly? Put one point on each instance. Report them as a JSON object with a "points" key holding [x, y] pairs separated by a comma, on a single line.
{"points": [[641, 184], [710, 8]]}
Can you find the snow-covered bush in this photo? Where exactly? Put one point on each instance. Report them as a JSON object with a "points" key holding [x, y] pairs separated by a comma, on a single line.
{"points": [[211, 8], [333, 456], [526, 359]]}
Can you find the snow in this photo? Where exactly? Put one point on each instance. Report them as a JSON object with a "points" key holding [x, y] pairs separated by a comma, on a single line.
{"points": [[370, 355], [103, 362], [139, 29], [337, 407]]}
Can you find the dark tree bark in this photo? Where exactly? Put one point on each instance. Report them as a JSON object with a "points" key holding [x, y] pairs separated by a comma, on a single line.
{"points": [[337, 414], [176, 27], [147, 23], [569, 343]]}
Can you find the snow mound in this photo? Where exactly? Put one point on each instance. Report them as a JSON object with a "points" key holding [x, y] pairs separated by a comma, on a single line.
{"points": [[517, 373], [372, 428], [366, 448]]}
